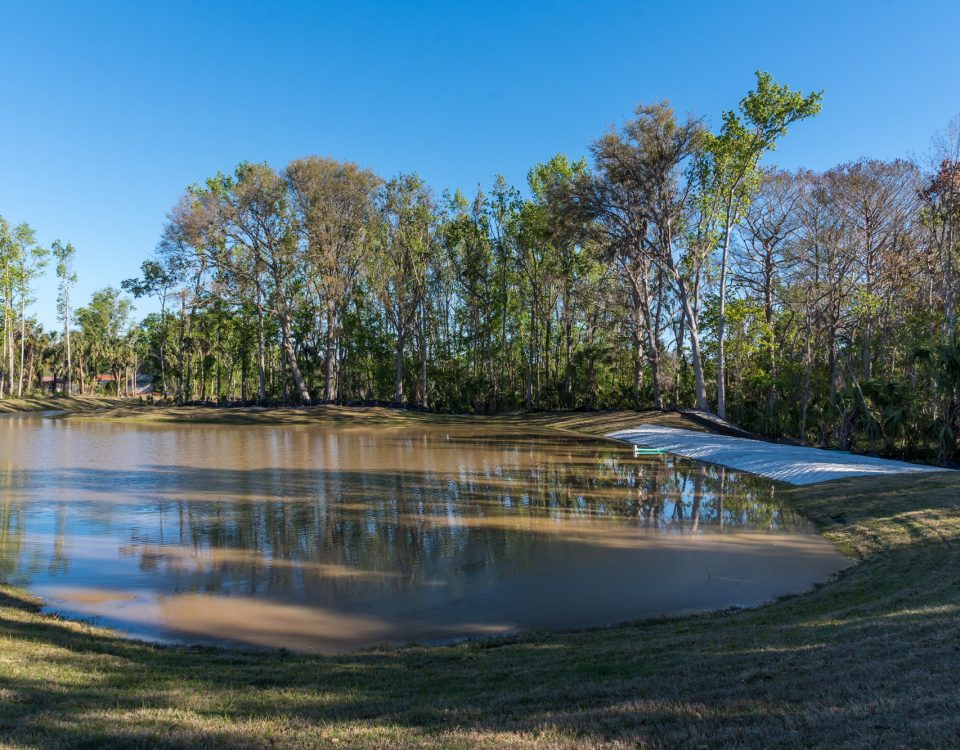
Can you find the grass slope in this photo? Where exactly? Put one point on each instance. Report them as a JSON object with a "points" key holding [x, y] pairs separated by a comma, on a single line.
{"points": [[869, 660], [592, 423], [73, 404]]}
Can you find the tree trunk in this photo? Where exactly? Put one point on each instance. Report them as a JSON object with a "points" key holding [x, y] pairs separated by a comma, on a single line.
{"points": [[329, 382], [681, 336], [181, 355], [568, 349], [696, 359], [772, 341], [286, 328], [82, 370], [948, 275], [833, 364], [163, 336], [808, 372], [32, 362], [3, 357], [23, 343], [203, 372], [530, 352], [261, 355], [722, 321], [243, 377], [398, 367], [641, 294], [591, 367], [66, 327], [11, 348], [638, 352], [424, 355]]}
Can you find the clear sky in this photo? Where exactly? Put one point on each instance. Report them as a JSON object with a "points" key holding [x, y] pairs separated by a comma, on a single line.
{"points": [[110, 110]]}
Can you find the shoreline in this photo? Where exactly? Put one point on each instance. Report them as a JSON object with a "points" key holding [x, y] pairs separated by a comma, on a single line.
{"points": [[812, 668], [592, 423]]}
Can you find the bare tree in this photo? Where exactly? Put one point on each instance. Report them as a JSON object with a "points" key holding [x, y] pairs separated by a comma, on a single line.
{"points": [[941, 216], [769, 224]]}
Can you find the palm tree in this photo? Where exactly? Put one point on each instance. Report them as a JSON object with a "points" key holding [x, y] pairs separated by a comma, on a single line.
{"points": [[944, 364]]}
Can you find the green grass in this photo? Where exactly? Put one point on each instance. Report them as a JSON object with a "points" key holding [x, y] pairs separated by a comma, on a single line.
{"points": [[871, 659]]}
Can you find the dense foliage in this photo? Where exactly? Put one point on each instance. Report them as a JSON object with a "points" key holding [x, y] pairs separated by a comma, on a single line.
{"points": [[671, 269]]}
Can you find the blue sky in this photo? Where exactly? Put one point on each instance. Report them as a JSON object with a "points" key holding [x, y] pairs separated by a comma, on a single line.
{"points": [[110, 110]]}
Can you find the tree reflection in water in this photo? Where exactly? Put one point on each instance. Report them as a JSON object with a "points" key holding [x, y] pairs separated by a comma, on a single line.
{"points": [[339, 516]]}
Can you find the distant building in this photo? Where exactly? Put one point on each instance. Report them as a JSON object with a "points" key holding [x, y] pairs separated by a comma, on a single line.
{"points": [[52, 385]]}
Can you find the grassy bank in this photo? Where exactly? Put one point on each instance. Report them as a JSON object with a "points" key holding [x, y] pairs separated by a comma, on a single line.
{"points": [[73, 404], [591, 423], [870, 660]]}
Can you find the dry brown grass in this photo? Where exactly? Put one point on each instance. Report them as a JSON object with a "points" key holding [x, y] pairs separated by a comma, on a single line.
{"points": [[592, 423], [72, 404]]}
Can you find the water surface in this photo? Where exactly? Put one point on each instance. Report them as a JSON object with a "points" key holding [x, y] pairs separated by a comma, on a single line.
{"points": [[318, 538]]}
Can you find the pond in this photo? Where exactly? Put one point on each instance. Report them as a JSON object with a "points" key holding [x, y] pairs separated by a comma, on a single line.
{"points": [[329, 538]]}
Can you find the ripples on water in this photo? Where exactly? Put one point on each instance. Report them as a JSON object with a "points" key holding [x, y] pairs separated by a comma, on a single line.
{"points": [[320, 538]]}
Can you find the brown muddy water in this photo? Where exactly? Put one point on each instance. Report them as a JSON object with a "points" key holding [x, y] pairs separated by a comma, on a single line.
{"points": [[317, 538]]}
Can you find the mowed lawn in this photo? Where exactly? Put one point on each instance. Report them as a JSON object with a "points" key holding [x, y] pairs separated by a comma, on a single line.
{"points": [[871, 659]]}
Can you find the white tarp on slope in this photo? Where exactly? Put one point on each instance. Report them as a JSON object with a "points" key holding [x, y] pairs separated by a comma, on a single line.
{"points": [[786, 463]]}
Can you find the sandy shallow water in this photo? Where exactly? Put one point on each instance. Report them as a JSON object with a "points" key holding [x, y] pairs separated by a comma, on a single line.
{"points": [[336, 538]]}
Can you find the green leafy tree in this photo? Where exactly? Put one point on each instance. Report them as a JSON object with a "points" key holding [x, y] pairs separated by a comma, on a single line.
{"points": [[729, 173], [406, 243], [157, 280], [107, 335], [64, 255]]}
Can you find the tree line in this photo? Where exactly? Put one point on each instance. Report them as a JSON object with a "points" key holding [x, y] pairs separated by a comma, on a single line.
{"points": [[672, 268], [98, 341]]}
